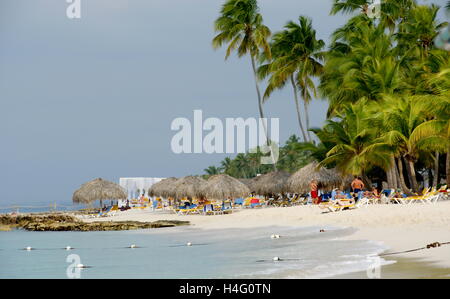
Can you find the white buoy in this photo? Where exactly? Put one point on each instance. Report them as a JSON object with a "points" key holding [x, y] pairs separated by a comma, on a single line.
{"points": [[189, 244], [132, 246], [68, 248], [28, 248], [276, 259]]}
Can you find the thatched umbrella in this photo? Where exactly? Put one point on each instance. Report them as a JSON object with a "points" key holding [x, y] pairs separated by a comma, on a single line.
{"points": [[164, 188], [98, 189], [274, 182], [300, 181], [251, 183], [189, 186], [222, 186], [247, 182]]}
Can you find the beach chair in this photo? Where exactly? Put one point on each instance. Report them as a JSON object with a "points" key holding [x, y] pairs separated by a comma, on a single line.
{"points": [[405, 200], [113, 211], [247, 203], [428, 196], [217, 208], [155, 204], [104, 213], [364, 201], [208, 209], [338, 205], [255, 203], [296, 200], [431, 198], [238, 202], [227, 208], [192, 209]]}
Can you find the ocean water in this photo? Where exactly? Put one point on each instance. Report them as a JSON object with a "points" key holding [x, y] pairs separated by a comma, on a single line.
{"points": [[40, 207], [163, 253]]}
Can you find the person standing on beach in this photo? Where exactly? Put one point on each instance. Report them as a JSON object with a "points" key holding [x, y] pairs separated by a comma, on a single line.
{"points": [[357, 185], [314, 192]]}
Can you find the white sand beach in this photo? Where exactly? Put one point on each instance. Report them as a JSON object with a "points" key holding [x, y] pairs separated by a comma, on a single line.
{"points": [[400, 227]]}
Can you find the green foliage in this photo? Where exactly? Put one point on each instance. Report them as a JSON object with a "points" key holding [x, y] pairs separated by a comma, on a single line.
{"points": [[291, 158], [241, 26], [386, 83]]}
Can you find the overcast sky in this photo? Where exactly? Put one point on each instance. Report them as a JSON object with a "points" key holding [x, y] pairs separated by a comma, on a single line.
{"points": [[95, 97]]}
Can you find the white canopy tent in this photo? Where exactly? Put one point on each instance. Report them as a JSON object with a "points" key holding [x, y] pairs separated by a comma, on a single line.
{"points": [[137, 186]]}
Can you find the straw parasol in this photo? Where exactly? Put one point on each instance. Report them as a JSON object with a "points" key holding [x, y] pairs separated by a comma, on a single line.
{"points": [[189, 186], [164, 188], [222, 186], [98, 189], [326, 178], [271, 183], [247, 182]]}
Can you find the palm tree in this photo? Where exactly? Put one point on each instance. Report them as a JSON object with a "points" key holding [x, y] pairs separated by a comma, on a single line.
{"points": [[402, 118], [356, 149], [419, 29], [435, 134], [362, 64], [292, 155], [349, 6], [393, 12], [226, 165], [296, 59], [211, 170], [241, 26]]}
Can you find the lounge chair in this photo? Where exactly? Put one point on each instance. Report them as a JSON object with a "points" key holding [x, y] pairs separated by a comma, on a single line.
{"points": [[227, 208], [238, 202], [113, 211], [104, 213], [247, 203], [338, 205], [208, 209], [255, 203], [193, 209]]}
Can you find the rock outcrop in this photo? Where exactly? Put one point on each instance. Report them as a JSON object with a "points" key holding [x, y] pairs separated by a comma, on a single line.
{"points": [[65, 222]]}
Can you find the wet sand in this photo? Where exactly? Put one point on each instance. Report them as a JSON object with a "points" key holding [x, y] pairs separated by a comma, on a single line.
{"points": [[404, 268]]}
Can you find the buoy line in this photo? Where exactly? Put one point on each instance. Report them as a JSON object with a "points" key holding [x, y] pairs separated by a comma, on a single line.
{"points": [[429, 246], [279, 259]]}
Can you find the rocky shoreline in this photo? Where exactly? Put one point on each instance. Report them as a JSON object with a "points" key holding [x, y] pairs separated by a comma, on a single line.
{"points": [[66, 222]]}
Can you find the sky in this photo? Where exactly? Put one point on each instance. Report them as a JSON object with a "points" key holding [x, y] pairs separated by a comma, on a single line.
{"points": [[96, 96]]}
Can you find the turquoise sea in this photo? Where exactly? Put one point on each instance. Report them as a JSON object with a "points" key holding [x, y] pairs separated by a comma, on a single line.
{"points": [[163, 253]]}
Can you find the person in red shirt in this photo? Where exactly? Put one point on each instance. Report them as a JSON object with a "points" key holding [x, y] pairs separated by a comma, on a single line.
{"points": [[314, 191]]}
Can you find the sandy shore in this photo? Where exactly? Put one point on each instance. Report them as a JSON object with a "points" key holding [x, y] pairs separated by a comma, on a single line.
{"points": [[400, 227]]}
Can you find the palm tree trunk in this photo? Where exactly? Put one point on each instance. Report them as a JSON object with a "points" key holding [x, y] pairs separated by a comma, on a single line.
{"points": [[297, 106], [389, 178], [401, 177], [447, 166], [412, 174], [436, 169], [391, 174], [261, 112], [305, 104], [258, 92], [367, 182], [403, 160]]}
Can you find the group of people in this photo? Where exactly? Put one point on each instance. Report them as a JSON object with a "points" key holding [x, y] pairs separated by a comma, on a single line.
{"points": [[357, 186]]}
